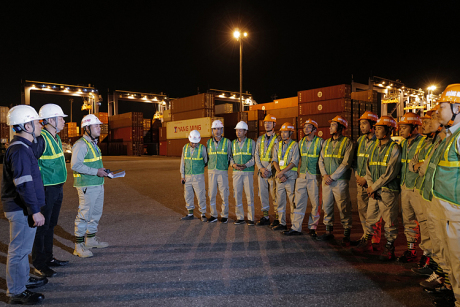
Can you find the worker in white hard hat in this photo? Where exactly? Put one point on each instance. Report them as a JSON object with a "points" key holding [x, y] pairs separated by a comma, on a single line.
{"points": [[88, 175], [219, 155], [242, 162], [51, 160], [22, 197], [308, 183], [285, 161], [192, 163], [266, 175], [335, 166]]}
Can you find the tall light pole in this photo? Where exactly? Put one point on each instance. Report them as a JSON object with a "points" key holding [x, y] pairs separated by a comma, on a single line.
{"points": [[430, 96], [237, 35]]}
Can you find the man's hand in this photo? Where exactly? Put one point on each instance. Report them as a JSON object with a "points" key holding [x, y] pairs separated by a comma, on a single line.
{"points": [[242, 167], [370, 191], [283, 179], [263, 172], [327, 179], [361, 181], [417, 166], [280, 174], [101, 172], [39, 219]]}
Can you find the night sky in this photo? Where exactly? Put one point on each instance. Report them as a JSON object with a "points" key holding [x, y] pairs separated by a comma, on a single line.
{"points": [[181, 47]]}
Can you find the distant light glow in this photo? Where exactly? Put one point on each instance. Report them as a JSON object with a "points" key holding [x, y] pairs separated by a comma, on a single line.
{"points": [[237, 34]]}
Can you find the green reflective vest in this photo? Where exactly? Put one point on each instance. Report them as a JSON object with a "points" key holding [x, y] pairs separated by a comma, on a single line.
{"points": [[333, 157], [363, 154], [92, 159], [243, 155], [286, 154], [310, 156], [267, 155], [447, 177], [408, 178], [218, 157], [194, 164], [428, 180], [52, 162], [422, 154], [378, 163]]}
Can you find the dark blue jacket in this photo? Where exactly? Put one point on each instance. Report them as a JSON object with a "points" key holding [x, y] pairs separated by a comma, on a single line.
{"points": [[22, 185]]}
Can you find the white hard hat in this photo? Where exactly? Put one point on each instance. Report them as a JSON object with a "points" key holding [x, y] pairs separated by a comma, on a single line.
{"points": [[217, 124], [90, 119], [51, 110], [194, 136], [21, 114], [242, 125]]}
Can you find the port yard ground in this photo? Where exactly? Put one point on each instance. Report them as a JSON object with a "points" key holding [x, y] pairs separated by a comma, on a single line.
{"points": [[156, 260]]}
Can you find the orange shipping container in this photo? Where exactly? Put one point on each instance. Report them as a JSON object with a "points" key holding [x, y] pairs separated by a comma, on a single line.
{"points": [[255, 115], [285, 112], [192, 114], [367, 96], [325, 93], [327, 106], [196, 102]]}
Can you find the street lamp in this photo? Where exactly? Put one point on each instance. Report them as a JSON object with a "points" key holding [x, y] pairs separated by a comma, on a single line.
{"points": [[431, 88], [239, 37]]}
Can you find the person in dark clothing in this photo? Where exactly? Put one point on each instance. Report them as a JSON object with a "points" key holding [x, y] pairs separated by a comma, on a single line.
{"points": [[51, 160], [22, 197]]}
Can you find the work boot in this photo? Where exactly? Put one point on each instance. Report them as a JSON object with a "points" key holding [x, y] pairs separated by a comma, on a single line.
{"points": [[274, 224], [279, 227], [45, 272], [223, 220], [54, 263], [326, 237], [376, 247], [388, 253], [432, 282], [346, 241], [81, 251], [204, 219], [426, 270], [35, 282], [94, 242], [250, 223], [212, 219], [364, 247], [26, 298], [291, 232], [265, 220], [409, 255], [188, 217], [239, 222], [312, 233]]}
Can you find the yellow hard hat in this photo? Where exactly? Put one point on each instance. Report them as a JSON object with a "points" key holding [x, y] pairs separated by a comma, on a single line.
{"points": [[410, 119], [270, 118], [386, 120], [339, 119], [451, 94], [287, 127]]}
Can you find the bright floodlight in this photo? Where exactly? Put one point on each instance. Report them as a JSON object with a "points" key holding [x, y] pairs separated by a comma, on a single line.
{"points": [[432, 88], [245, 34], [236, 34]]}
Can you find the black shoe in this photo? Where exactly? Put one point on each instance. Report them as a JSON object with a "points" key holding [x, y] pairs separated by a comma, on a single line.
{"points": [[204, 219], [388, 253], [212, 219], [325, 237], [26, 298], [279, 227], [312, 233], [35, 282], [239, 222], [426, 270], [291, 232], [223, 220], [54, 262], [408, 256], [274, 224], [250, 223], [346, 241], [187, 217], [45, 272], [263, 221]]}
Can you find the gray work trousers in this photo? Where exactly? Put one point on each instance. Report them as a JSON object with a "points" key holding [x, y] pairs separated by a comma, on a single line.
{"points": [[363, 202], [414, 219], [306, 189], [90, 204], [386, 207], [339, 191], [283, 190], [218, 182], [267, 187], [21, 241], [194, 184], [243, 181]]}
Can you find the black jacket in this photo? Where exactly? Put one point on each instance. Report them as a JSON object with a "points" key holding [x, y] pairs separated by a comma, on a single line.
{"points": [[22, 185]]}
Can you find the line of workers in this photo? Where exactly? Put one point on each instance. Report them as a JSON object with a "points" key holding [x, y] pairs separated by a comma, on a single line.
{"points": [[423, 172]]}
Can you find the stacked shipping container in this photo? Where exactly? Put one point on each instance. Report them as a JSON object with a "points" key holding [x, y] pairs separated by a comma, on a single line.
{"points": [[128, 129], [363, 101]]}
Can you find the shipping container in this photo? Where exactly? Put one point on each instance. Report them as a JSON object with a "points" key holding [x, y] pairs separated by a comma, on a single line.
{"points": [[196, 102], [181, 129], [223, 108], [255, 115], [327, 106], [277, 104], [286, 112], [116, 149], [367, 96], [130, 119], [192, 114], [147, 123], [103, 117], [3, 114], [230, 122], [105, 128], [134, 148], [128, 134], [253, 135], [163, 148], [325, 93], [71, 124], [321, 132], [281, 121], [253, 125], [4, 131], [321, 119], [162, 133], [167, 116], [174, 147]]}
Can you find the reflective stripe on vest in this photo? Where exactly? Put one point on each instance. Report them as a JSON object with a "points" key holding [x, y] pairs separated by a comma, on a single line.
{"points": [[52, 162], [363, 155], [409, 178], [308, 158], [218, 157], [267, 155], [193, 164], [339, 154], [379, 166], [93, 160], [286, 154], [244, 156]]}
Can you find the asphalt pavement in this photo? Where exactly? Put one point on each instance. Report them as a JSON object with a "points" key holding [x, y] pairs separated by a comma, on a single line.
{"points": [[154, 259]]}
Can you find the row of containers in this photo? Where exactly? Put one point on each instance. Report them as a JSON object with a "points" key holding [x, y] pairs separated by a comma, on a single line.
{"points": [[322, 104]]}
